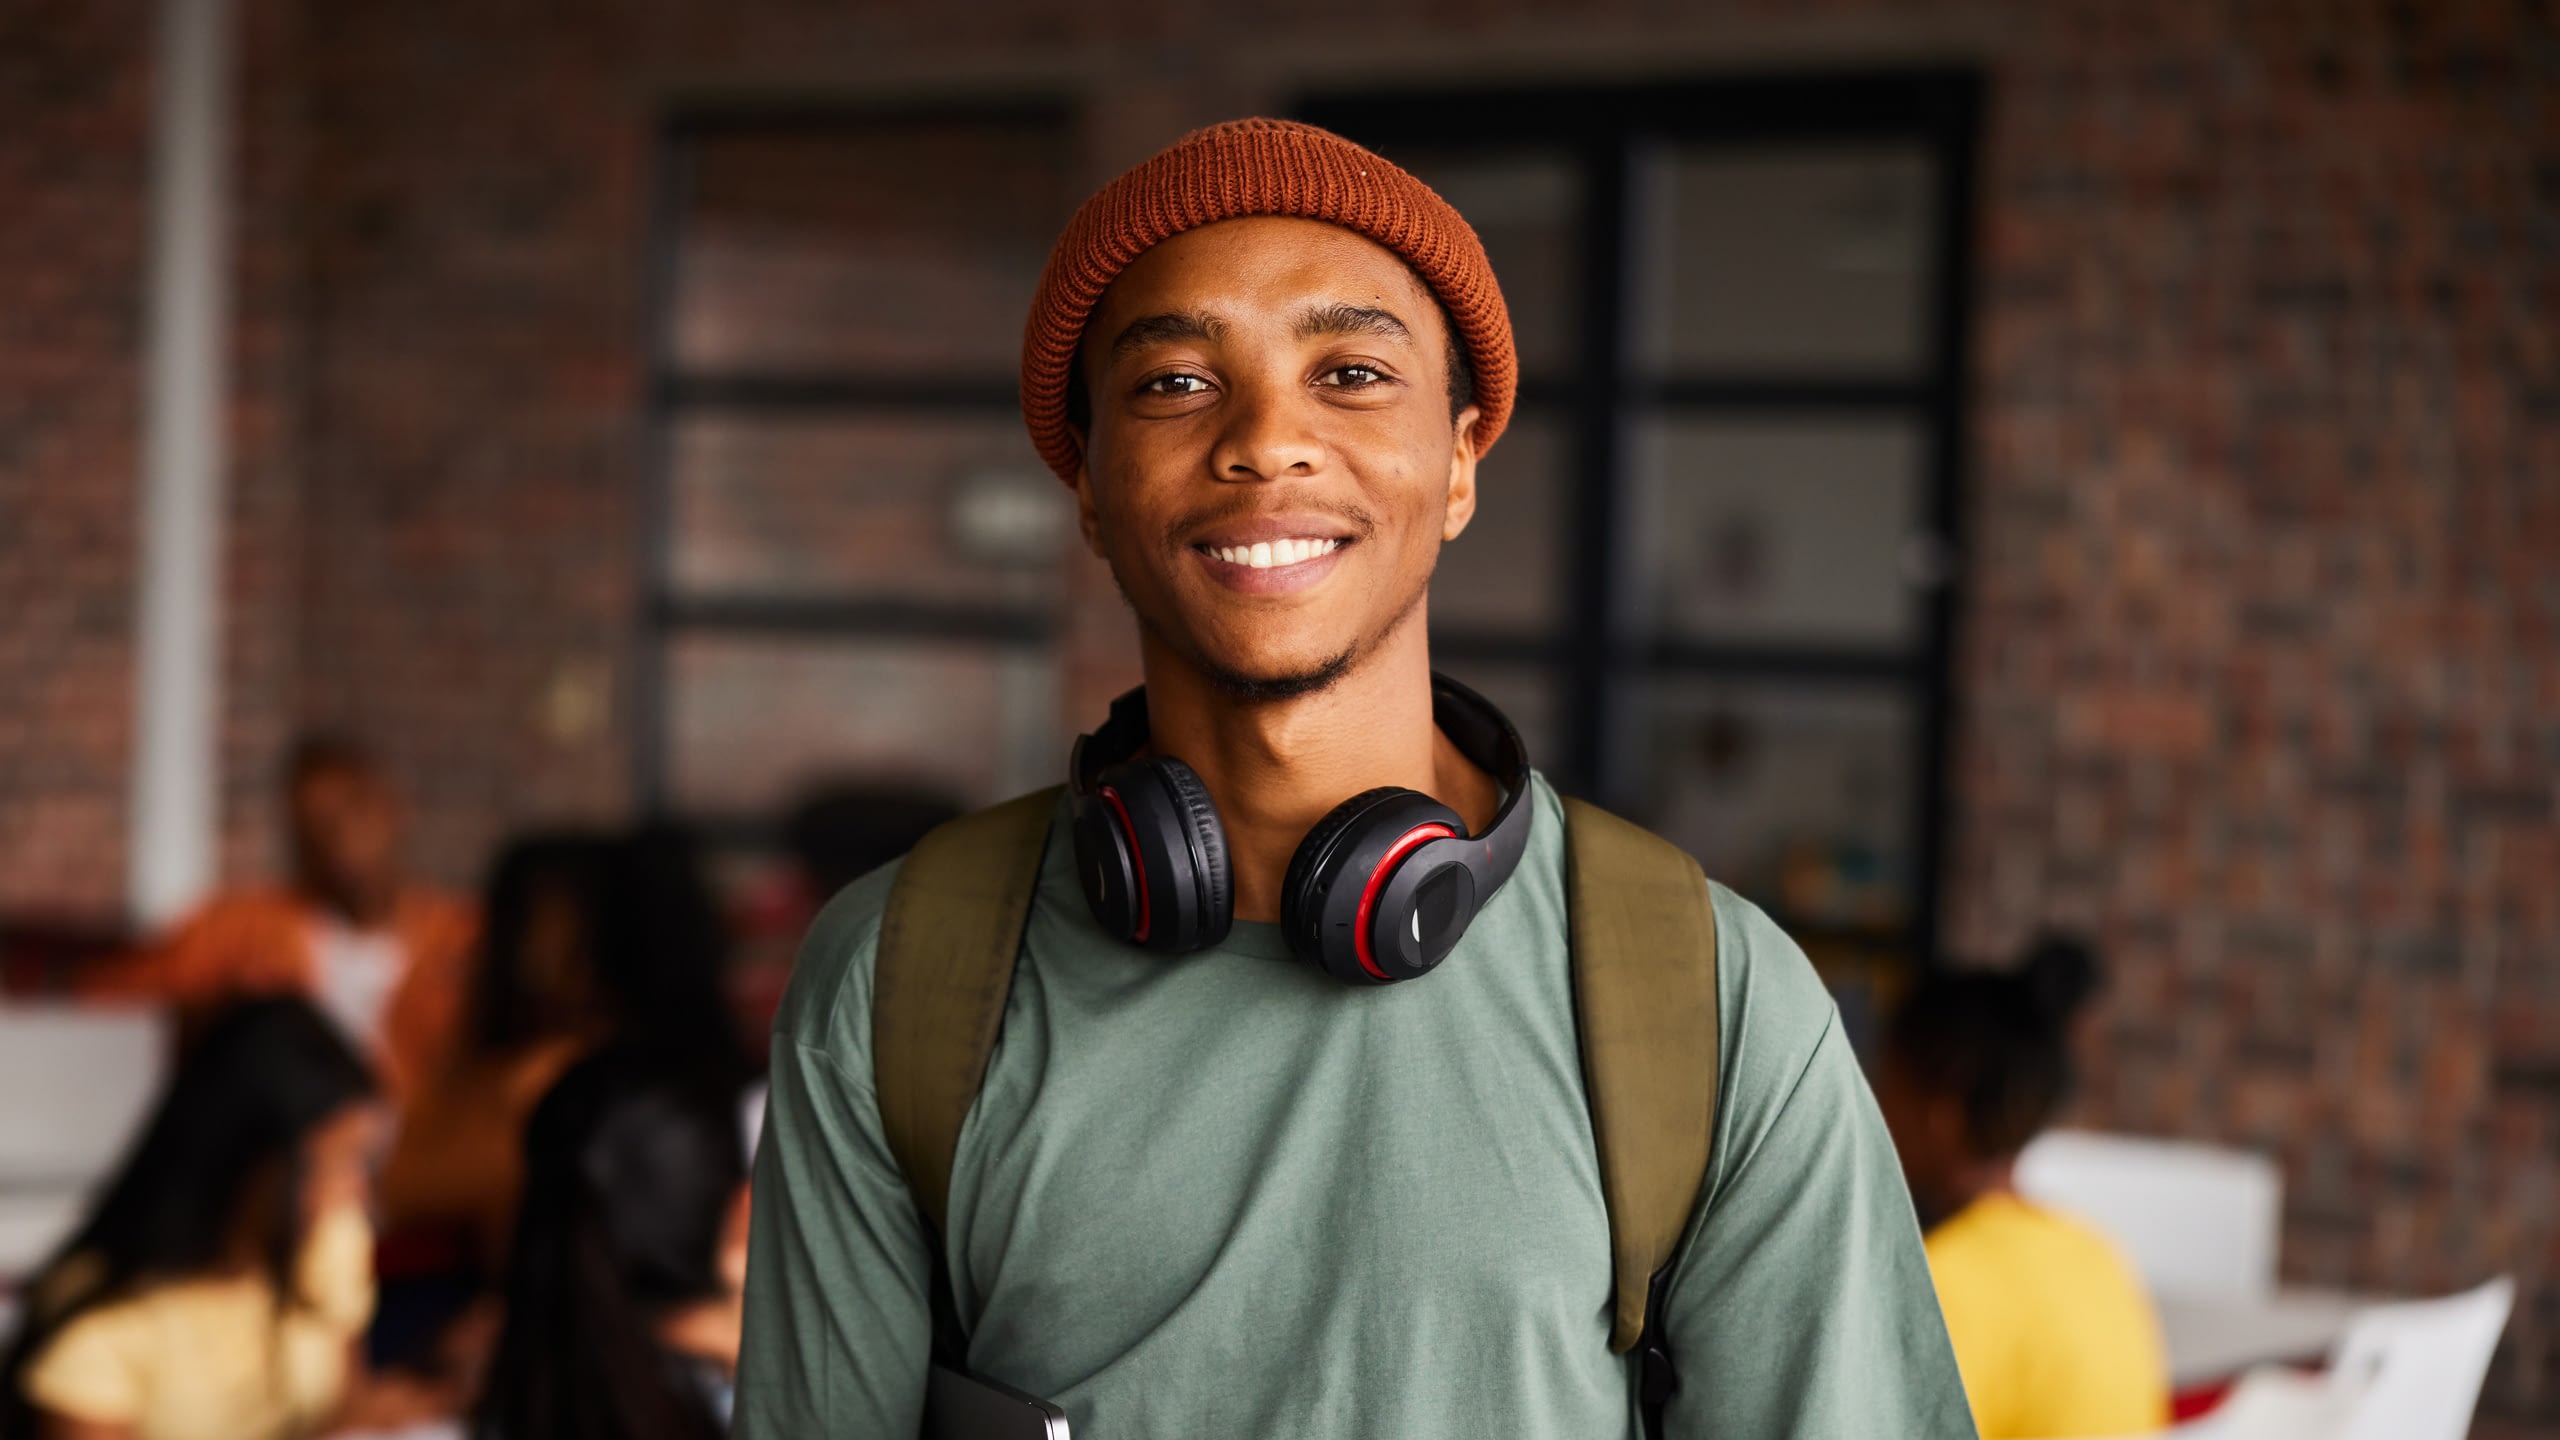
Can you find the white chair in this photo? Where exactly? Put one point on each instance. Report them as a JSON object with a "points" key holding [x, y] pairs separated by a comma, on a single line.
{"points": [[2419, 1364], [2403, 1371], [75, 1083], [2196, 1221]]}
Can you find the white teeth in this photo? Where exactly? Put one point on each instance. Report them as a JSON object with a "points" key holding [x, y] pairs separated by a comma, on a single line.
{"points": [[1267, 554]]}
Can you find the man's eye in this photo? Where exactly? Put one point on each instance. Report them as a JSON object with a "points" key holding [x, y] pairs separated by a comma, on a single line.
{"points": [[1174, 385], [1353, 377]]}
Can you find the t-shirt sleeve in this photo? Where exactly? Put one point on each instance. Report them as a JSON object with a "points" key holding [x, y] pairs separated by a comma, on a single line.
{"points": [[1801, 1305], [838, 1324], [88, 1372]]}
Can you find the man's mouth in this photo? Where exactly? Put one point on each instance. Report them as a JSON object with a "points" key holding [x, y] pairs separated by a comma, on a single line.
{"points": [[1273, 554]]}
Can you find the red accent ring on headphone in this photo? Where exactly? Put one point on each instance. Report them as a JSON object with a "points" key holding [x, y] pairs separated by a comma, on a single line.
{"points": [[1137, 862], [1377, 881]]}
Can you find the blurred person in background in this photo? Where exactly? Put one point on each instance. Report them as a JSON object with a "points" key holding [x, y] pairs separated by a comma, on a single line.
{"points": [[535, 1006], [2052, 1330], [843, 832], [591, 938], [382, 956], [623, 1291], [218, 1288], [834, 834]]}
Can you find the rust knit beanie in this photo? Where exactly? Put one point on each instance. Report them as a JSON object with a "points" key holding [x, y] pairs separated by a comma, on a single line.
{"points": [[1258, 167]]}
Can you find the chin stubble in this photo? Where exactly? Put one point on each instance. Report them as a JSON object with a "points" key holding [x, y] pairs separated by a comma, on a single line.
{"points": [[1252, 690]]}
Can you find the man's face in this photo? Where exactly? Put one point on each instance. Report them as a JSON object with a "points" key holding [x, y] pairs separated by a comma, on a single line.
{"points": [[1272, 465], [346, 838]]}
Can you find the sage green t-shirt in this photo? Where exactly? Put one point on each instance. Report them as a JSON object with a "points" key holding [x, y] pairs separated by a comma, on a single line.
{"points": [[1223, 1195]]}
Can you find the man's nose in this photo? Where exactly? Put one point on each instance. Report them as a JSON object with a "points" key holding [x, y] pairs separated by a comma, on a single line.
{"points": [[1267, 435]]}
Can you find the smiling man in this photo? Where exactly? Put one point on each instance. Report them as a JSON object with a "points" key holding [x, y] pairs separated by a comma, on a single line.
{"points": [[1284, 1129]]}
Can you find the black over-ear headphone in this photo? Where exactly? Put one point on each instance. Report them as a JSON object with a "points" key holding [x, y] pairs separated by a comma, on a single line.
{"points": [[1379, 891]]}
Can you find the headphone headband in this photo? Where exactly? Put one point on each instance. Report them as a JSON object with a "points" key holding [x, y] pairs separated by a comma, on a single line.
{"points": [[1488, 739]]}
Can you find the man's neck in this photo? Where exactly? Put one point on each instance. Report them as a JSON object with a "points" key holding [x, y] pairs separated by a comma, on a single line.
{"points": [[1276, 767]]}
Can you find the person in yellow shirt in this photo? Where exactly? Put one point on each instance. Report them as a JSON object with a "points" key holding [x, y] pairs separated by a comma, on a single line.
{"points": [[2052, 1330], [218, 1289]]}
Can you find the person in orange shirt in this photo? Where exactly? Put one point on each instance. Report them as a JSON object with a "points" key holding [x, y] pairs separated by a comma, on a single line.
{"points": [[385, 958]]}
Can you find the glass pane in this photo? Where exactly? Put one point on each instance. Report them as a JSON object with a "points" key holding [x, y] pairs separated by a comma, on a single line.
{"points": [[869, 249], [1776, 531], [935, 509], [1802, 261], [1506, 573], [1525, 694], [1525, 207], [1798, 797], [754, 722]]}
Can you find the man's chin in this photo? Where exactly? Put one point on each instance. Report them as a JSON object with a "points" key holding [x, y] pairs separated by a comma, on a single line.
{"points": [[1263, 684]]}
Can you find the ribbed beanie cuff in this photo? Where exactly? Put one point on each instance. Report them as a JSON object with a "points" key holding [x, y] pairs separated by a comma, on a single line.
{"points": [[1258, 167]]}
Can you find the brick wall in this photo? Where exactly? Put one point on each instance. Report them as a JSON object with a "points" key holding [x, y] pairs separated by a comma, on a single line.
{"points": [[270, 360], [74, 106], [2262, 641], [471, 515], [2265, 629]]}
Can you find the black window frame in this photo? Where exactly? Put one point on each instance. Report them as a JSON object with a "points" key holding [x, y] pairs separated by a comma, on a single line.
{"points": [[1604, 126], [675, 393]]}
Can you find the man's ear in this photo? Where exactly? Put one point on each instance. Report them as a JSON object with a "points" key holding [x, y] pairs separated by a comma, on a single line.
{"points": [[1462, 476], [1088, 516]]}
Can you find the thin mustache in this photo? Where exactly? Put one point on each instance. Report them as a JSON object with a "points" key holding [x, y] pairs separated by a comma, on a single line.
{"points": [[1361, 522]]}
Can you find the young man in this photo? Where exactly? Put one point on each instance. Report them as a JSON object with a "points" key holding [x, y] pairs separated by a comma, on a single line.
{"points": [[384, 957], [1224, 1193]]}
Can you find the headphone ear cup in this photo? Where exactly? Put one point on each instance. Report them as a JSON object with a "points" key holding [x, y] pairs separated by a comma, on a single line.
{"points": [[1178, 855], [1108, 866], [1340, 867], [1301, 889], [1208, 836]]}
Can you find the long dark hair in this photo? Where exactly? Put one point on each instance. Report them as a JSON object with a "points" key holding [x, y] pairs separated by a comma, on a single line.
{"points": [[648, 931], [563, 867], [665, 946], [1999, 1041], [220, 1153], [632, 1162]]}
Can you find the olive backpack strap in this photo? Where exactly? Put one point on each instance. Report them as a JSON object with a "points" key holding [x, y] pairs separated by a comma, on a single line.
{"points": [[944, 965], [1644, 992]]}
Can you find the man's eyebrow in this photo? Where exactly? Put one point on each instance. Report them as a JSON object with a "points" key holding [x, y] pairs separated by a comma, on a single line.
{"points": [[1342, 319], [1157, 329]]}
